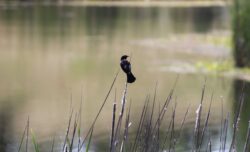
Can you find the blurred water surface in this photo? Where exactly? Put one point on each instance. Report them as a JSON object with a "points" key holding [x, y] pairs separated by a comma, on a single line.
{"points": [[50, 55]]}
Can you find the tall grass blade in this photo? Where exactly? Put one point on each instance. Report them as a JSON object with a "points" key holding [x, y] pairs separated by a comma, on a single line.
{"points": [[25, 129], [53, 144], [183, 122], [167, 133], [19, 148], [79, 138], [119, 122], [157, 139], [138, 132], [165, 105], [74, 131], [221, 129], [113, 125], [79, 125], [172, 134], [246, 146], [198, 121], [225, 128], [27, 134], [209, 146], [153, 106], [162, 111], [237, 119], [90, 138], [149, 129], [105, 100], [125, 134], [206, 123], [67, 132], [34, 142]]}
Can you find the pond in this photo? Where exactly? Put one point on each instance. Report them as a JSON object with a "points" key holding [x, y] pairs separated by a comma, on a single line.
{"points": [[56, 57]]}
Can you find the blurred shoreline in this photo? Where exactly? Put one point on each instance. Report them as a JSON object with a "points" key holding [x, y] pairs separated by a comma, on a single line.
{"points": [[146, 3]]}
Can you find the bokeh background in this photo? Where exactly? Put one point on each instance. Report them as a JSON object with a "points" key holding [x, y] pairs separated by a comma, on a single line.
{"points": [[54, 56]]}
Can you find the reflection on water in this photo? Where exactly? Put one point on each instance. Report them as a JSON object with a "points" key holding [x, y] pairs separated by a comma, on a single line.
{"points": [[238, 90], [48, 53]]}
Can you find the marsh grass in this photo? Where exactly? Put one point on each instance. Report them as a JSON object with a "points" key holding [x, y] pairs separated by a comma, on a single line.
{"points": [[36, 147], [25, 132], [150, 135], [53, 144], [246, 146]]}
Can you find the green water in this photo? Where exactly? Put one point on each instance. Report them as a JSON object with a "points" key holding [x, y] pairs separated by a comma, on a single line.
{"points": [[50, 55]]}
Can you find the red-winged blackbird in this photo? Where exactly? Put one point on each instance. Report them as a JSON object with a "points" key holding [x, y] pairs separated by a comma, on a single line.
{"points": [[126, 67]]}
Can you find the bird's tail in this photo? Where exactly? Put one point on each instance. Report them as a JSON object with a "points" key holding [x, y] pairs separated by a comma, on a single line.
{"points": [[130, 78]]}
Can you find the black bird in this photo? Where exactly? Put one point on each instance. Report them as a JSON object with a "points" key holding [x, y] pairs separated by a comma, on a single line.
{"points": [[126, 67]]}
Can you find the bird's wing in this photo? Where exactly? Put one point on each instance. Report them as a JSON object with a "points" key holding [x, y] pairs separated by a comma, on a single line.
{"points": [[126, 67], [129, 66]]}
